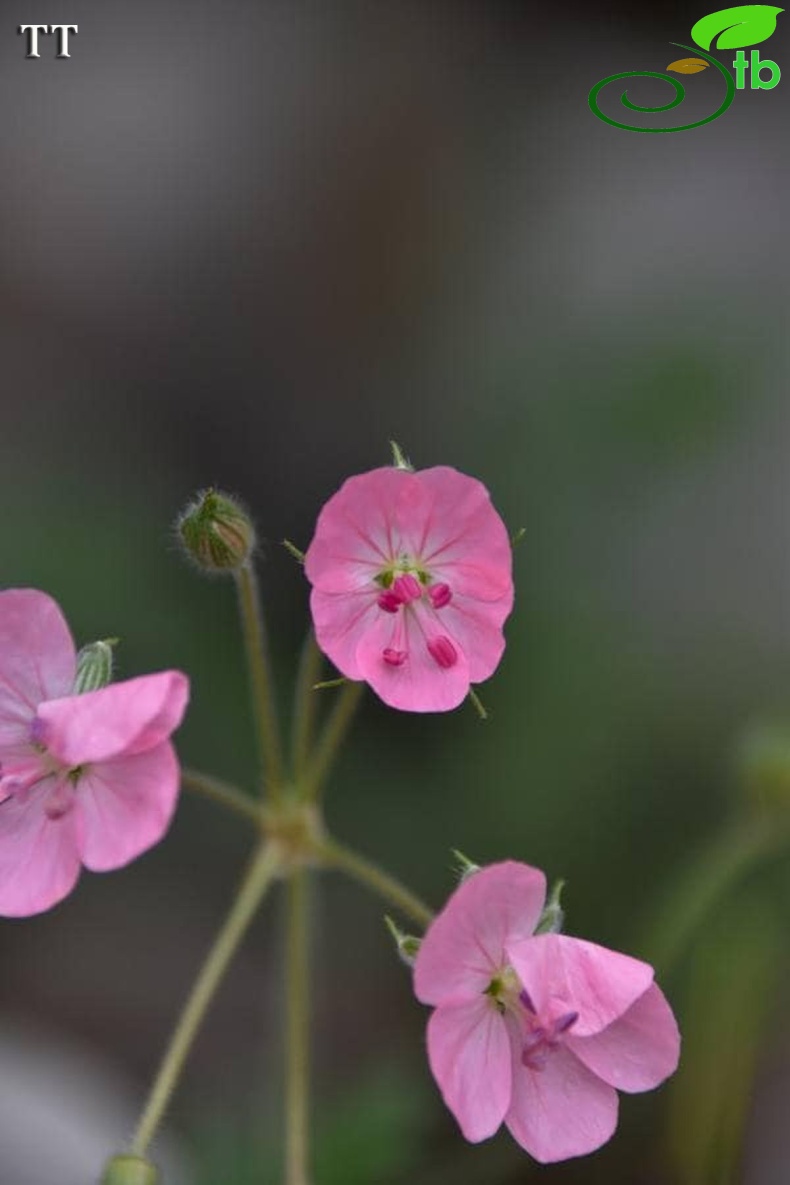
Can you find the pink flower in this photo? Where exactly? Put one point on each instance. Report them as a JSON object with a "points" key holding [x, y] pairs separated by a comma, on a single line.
{"points": [[411, 576], [535, 1030], [84, 779]]}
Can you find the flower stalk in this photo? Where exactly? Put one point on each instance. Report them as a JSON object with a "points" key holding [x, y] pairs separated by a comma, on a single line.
{"points": [[263, 868], [297, 1062], [260, 680]]}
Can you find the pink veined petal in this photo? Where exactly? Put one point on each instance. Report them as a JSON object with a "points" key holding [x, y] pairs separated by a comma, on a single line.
{"points": [[636, 1052], [419, 683], [124, 718], [125, 806], [340, 622], [363, 527], [476, 626], [464, 540], [597, 983], [39, 860], [470, 1058], [37, 659], [561, 1111], [465, 945]]}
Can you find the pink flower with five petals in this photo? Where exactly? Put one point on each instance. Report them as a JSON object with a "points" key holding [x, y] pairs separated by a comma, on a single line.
{"points": [[86, 779], [536, 1031], [411, 576]]}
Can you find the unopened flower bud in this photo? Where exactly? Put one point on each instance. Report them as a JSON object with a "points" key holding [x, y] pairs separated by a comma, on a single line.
{"points": [[217, 532], [130, 1170], [465, 867], [553, 916], [94, 666], [406, 944]]}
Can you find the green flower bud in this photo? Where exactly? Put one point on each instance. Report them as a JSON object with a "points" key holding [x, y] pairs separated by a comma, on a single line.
{"points": [[217, 532], [130, 1170], [553, 916], [407, 945], [94, 666], [465, 867]]}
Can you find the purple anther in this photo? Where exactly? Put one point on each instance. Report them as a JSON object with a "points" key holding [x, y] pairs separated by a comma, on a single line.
{"points": [[526, 1000], [38, 731], [563, 1023]]}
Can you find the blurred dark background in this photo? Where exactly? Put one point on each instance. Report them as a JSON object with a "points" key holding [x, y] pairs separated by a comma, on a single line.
{"points": [[247, 244]]}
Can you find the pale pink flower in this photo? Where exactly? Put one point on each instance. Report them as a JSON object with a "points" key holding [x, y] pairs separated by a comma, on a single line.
{"points": [[411, 576], [535, 1031], [84, 779]]}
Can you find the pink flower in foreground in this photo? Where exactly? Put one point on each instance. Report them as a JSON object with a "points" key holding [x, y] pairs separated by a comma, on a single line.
{"points": [[411, 576], [535, 1030], [84, 779]]}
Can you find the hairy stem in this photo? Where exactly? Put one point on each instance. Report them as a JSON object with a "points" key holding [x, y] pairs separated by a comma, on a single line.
{"points": [[222, 793], [305, 702], [259, 875], [335, 855], [331, 739], [260, 678], [297, 1065]]}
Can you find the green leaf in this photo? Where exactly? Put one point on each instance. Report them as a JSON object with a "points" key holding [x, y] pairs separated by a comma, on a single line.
{"points": [[747, 24]]}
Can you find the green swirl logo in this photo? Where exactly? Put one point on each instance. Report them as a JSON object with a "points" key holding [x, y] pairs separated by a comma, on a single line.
{"points": [[745, 25]]}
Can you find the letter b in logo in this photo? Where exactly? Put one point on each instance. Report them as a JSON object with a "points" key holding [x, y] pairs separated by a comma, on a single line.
{"points": [[764, 84]]}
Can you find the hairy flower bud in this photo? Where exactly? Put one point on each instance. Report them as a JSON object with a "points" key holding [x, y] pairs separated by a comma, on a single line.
{"points": [[130, 1170], [94, 666], [216, 532], [553, 917], [407, 945]]}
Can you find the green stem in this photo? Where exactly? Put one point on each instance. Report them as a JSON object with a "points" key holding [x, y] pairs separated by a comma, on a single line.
{"points": [[222, 793], [262, 869], [305, 702], [297, 1065], [335, 855], [331, 739], [260, 679]]}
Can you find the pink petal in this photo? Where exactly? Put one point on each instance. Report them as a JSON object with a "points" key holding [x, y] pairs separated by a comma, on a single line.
{"points": [[341, 621], [476, 626], [37, 659], [597, 983], [39, 860], [419, 683], [470, 1058], [125, 806], [636, 1052], [368, 522], [561, 1111], [464, 541], [466, 943], [121, 719]]}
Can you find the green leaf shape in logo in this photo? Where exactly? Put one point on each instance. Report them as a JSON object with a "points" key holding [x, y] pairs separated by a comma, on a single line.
{"points": [[747, 24]]}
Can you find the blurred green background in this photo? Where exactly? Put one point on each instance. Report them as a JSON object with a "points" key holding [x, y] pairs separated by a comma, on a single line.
{"points": [[250, 246]]}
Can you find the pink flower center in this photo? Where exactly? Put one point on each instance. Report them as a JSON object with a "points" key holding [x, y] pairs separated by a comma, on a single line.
{"points": [[544, 1033], [410, 590]]}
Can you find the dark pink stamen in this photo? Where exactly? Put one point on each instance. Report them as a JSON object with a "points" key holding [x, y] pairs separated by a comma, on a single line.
{"points": [[394, 658], [389, 601], [443, 652], [407, 588], [440, 594], [563, 1023]]}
